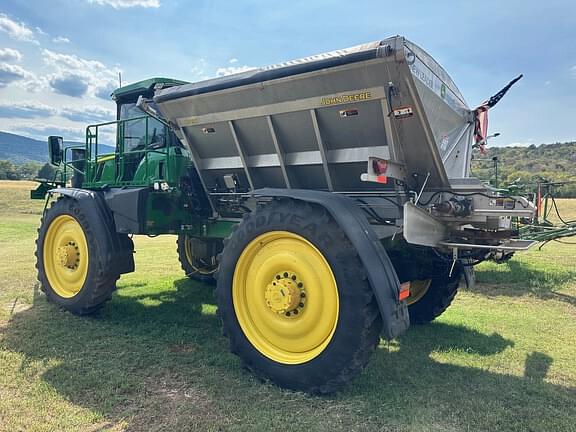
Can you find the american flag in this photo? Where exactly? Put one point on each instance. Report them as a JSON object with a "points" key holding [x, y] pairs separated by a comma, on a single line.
{"points": [[481, 115]]}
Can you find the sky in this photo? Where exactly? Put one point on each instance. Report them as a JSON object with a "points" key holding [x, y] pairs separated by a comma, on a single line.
{"points": [[60, 59]]}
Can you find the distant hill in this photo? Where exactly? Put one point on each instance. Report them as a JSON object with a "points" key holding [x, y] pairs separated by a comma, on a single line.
{"points": [[524, 165], [19, 149]]}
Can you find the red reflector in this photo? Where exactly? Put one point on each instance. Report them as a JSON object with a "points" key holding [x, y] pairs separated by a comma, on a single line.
{"points": [[379, 166], [404, 291]]}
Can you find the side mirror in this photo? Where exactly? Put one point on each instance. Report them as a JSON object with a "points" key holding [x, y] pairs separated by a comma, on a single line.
{"points": [[55, 149]]}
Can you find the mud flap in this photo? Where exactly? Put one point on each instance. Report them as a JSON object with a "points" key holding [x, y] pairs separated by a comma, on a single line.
{"points": [[381, 273], [95, 203], [469, 274]]}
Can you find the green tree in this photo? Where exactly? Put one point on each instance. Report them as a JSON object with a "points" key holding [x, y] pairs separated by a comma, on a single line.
{"points": [[46, 172], [528, 165], [29, 170], [8, 171]]}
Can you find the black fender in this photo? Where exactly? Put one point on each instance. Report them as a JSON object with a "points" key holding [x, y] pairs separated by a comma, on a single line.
{"points": [[381, 273], [96, 206]]}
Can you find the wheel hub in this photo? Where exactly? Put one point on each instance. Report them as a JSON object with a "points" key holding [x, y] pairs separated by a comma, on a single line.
{"points": [[285, 294], [68, 255]]}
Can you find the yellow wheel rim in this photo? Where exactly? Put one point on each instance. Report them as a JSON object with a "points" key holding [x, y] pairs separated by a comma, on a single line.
{"points": [[65, 256], [418, 289], [188, 250], [285, 297]]}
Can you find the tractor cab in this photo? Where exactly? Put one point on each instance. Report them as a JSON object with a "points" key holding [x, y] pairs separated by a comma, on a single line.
{"points": [[141, 140], [136, 163], [145, 150]]}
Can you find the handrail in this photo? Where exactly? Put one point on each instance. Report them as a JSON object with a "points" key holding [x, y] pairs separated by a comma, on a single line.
{"points": [[91, 146]]}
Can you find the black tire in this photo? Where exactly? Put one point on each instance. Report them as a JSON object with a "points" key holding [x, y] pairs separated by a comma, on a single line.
{"points": [[100, 280], [195, 269], [356, 333], [437, 298]]}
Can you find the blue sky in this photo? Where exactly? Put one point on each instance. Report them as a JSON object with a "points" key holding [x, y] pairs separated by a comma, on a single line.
{"points": [[59, 59]]}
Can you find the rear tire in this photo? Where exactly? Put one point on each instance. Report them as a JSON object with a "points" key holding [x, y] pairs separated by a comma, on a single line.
{"points": [[436, 299], [196, 268], [324, 341], [74, 258]]}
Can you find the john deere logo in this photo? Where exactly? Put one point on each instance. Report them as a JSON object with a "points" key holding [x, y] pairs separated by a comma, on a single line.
{"points": [[347, 98]]}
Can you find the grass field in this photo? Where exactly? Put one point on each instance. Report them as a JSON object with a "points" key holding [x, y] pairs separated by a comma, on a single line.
{"points": [[503, 357]]}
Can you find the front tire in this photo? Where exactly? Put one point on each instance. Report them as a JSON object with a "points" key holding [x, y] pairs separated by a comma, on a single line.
{"points": [[294, 298], [74, 258]]}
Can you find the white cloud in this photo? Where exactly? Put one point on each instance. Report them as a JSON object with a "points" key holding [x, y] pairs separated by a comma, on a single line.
{"points": [[198, 71], [201, 71], [34, 109], [16, 30], [69, 61], [104, 87], [68, 84], [231, 70], [75, 76], [61, 39], [123, 4], [105, 91], [34, 83], [9, 54], [41, 131], [76, 134], [91, 114], [26, 110], [10, 73]]}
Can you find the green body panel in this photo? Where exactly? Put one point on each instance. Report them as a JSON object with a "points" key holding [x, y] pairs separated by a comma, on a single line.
{"points": [[167, 165], [167, 213], [108, 171], [41, 190], [210, 228]]}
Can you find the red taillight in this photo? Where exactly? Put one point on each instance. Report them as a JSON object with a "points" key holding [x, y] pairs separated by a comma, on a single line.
{"points": [[404, 291], [379, 166]]}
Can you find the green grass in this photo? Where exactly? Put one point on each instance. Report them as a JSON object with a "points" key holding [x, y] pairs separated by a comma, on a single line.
{"points": [[501, 358]]}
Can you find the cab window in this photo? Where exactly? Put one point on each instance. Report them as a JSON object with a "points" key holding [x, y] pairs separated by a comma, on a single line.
{"points": [[142, 133]]}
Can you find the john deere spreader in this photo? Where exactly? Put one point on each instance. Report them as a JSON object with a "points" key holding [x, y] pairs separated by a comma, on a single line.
{"points": [[329, 198]]}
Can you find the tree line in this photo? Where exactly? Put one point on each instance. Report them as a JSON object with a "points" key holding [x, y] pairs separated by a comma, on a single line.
{"points": [[25, 171], [525, 167]]}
